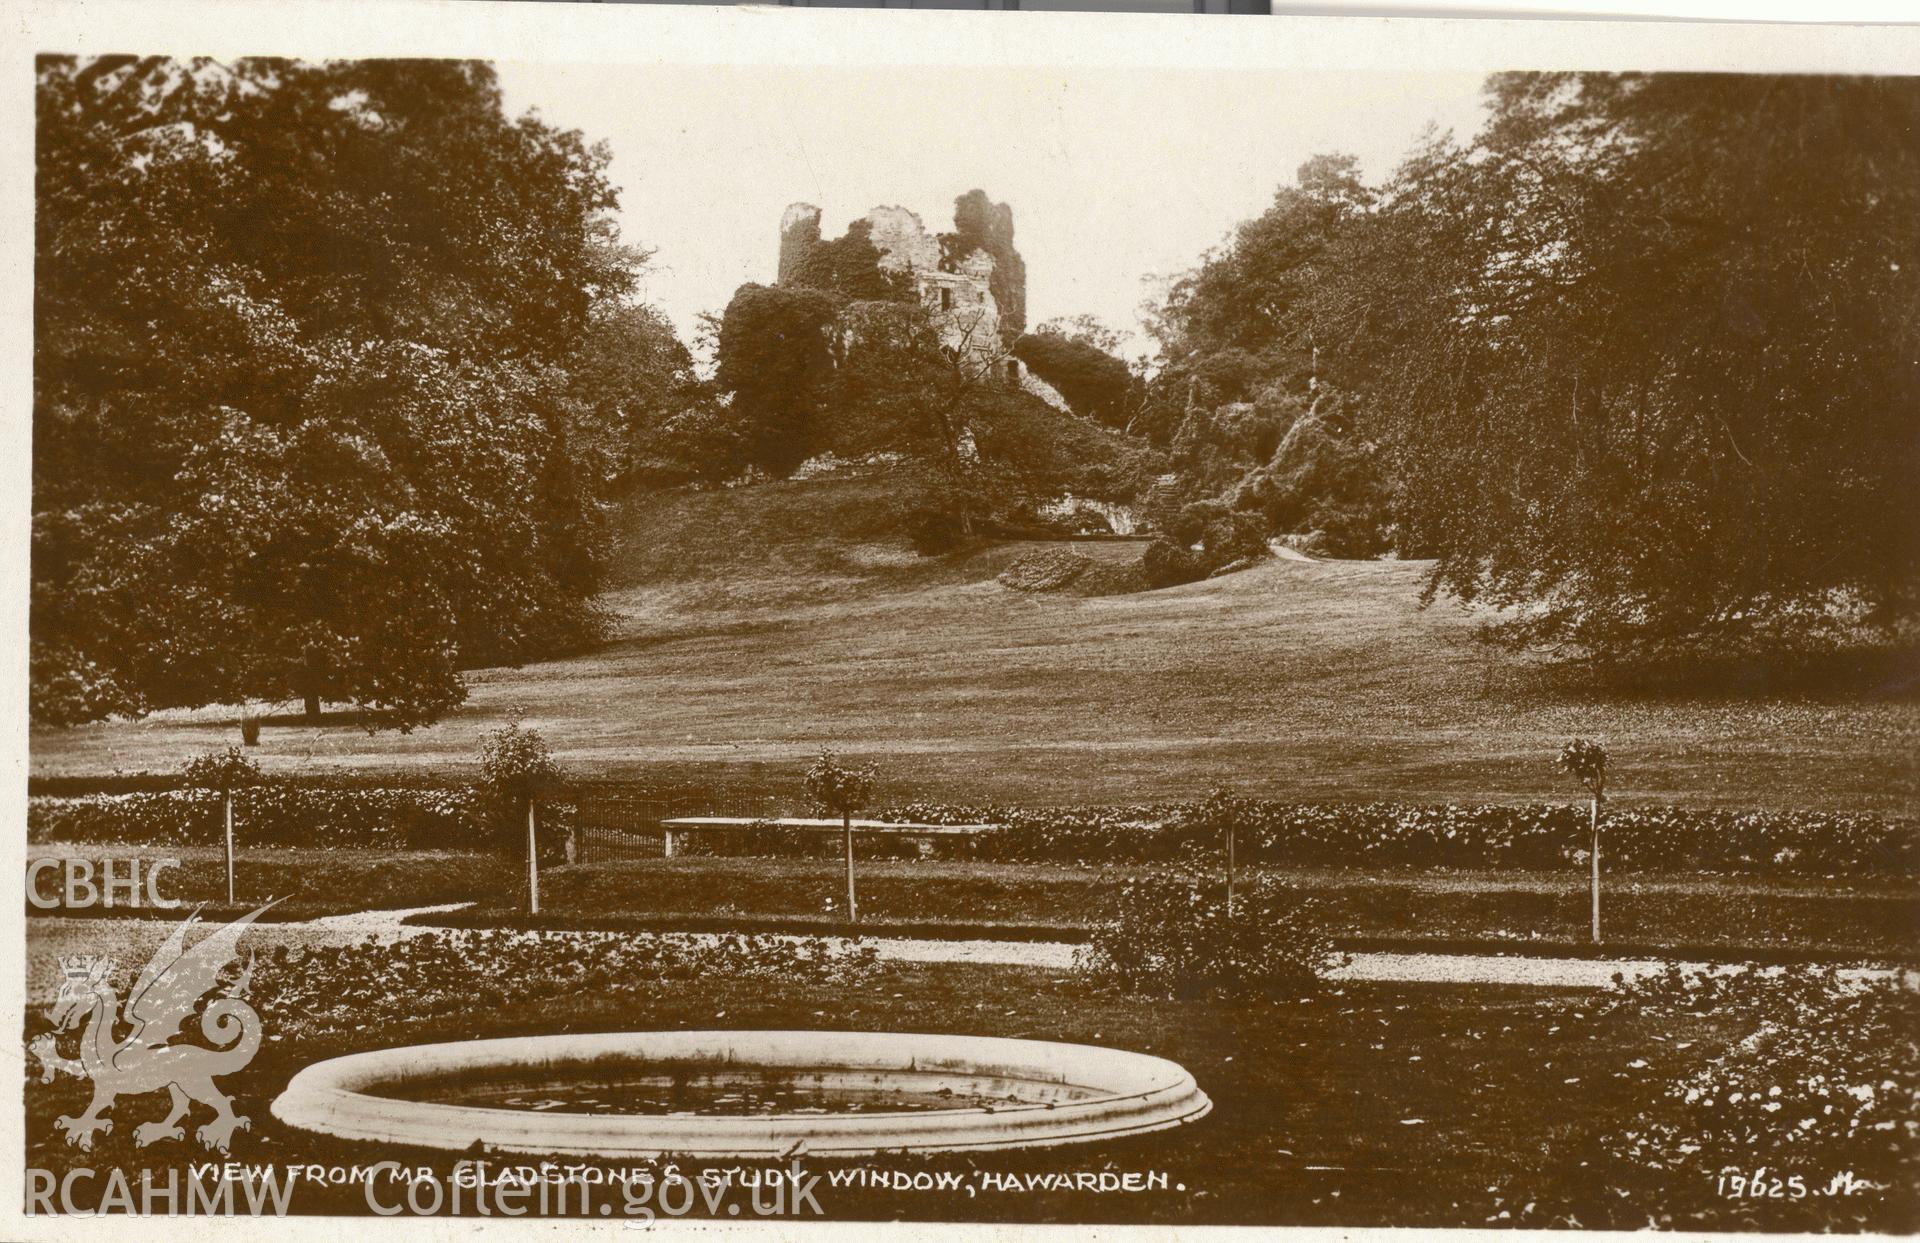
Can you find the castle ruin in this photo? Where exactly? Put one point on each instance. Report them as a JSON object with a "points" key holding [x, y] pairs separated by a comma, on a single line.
{"points": [[972, 280]]}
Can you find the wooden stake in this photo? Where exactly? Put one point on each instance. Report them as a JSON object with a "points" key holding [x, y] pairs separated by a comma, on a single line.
{"points": [[533, 867], [1596, 869], [853, 906], [229, 802], [1229, 871]]}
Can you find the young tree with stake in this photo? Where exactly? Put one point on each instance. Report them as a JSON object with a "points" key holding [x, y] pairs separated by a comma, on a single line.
{"points": [[1586, 762], [1222, 811], [223, 772], [516, 766], [841, 791]]}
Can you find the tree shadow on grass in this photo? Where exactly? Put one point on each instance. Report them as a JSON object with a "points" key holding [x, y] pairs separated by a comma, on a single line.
{"points": [[1889, 674], [360, 718]]}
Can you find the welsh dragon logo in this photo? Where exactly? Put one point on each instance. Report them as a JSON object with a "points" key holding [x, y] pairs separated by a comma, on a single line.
{"points": [[150, 1057]]}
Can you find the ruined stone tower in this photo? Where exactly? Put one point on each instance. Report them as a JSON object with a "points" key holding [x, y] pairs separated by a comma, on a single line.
{"points": [[972, 280], [799, 231]]}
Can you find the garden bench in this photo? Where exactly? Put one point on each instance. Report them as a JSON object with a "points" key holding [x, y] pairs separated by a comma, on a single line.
{"points": [[922, 835]]}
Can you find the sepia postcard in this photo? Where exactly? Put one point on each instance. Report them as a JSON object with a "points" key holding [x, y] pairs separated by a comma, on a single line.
{"points": [[945, 624]]}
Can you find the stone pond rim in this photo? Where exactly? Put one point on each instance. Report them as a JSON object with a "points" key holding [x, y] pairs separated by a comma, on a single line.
{"points": [[1069, 1093]]}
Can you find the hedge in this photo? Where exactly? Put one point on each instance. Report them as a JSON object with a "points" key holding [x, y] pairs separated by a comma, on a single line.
{"points": [[280, 814], [1374, 835], [1393, 835]]}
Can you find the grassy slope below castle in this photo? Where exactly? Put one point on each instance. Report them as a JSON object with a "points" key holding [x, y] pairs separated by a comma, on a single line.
{"points": [[756, 624]]}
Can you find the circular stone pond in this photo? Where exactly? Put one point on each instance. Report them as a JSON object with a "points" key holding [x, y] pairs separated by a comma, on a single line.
{"points": [[740, 1094]]}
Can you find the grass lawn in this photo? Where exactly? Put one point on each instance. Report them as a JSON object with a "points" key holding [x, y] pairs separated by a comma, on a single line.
{"points": [[1369, 1105], [1519, 906], [1505, 905], [756, 624], [311, 881]]}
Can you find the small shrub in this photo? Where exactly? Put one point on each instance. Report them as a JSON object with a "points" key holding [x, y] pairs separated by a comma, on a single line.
{"points": [[222, 772], [1167, 564], [516, 767], [1586, 762], [1232, 537], [1187, 526], [839, 789], [1176, 938], [1091, 522], [250, 730]]}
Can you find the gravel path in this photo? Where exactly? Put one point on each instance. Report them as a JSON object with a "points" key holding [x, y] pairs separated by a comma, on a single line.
{"points": [[381, 926], [1424, 968], [48, 938]]}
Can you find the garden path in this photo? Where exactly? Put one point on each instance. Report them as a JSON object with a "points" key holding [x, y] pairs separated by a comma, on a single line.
{"points": [[52, 936]]}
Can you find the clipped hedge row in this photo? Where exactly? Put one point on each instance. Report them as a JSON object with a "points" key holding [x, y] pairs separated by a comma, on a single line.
{"points": [[282, 814], [1377, 835]]}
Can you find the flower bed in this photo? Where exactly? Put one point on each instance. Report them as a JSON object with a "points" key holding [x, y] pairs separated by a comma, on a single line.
{"points": [[1806, 1120], [1183, 938], [1389, 835], [334, 991]]}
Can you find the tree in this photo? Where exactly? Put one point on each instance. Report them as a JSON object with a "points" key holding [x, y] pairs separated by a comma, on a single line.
{"points": [[841, 791], [1087, 330], [775, 365], [223, 773], [516, 767], [1248, 395], [1586, 762], [932, 386], [1645, 357], [302, 332], [1095, 383], [630, 377], [1257, 295]]}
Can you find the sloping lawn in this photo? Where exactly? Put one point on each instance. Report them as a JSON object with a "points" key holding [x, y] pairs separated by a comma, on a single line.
{"points": [[751, 630]]}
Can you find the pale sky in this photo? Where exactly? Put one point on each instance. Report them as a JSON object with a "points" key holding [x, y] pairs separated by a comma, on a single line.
{"points": [[1115, 176]]}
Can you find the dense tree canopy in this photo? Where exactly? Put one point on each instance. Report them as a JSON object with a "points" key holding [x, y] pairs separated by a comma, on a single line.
{"points": [[1095, 383], [1245, 396], [1640, 363], [1647, 356], [302, 335], [632, 380], [775, 365]]}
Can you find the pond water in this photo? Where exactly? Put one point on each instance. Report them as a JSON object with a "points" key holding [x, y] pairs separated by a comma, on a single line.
{"points": [[743, 1092]]}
